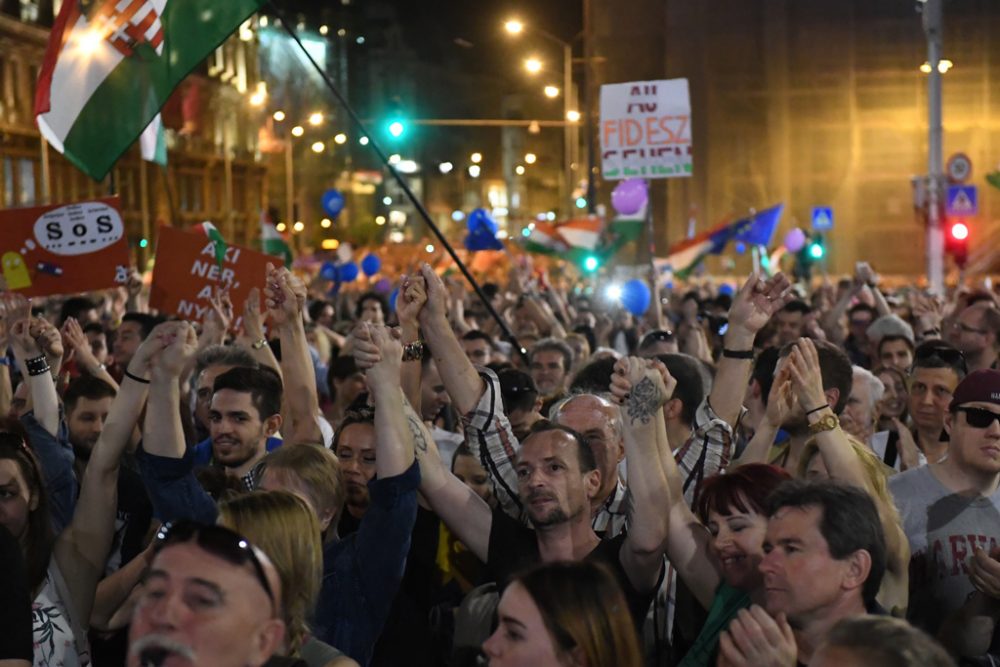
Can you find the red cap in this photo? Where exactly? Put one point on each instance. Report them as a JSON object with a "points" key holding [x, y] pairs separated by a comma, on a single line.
{"points": [[981, 386]]}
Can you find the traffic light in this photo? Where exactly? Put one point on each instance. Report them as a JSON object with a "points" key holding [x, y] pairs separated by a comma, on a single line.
{"points": [[956, 242], [816, 249], [591, 263], [396, 128]]}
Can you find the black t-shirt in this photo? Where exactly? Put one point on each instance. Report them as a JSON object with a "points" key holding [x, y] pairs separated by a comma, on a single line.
{"points": [[15, 610], [514, 547]]}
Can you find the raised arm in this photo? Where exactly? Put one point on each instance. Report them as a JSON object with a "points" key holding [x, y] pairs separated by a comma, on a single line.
{"points": [[393, 437], [217, 320], [753, 307], [83, 353], [780, 402], [38, 374], [82, 549], [411, 299], [686, 539], [286, 296], [163, 434], [458, 374], [253, 331], [643, 423]]}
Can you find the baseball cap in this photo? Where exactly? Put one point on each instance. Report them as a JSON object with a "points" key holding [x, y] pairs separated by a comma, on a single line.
{"points": [[982, 386]]}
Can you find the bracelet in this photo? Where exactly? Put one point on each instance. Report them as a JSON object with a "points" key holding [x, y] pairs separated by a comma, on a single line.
{"points": [[822, 407], [259, 344], [414, 351], [37, 366], [930, 332], [136, 378], [737, 354]]}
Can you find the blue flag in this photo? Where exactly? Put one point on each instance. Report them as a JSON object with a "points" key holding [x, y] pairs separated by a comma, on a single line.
{"points": [[760, 227]]}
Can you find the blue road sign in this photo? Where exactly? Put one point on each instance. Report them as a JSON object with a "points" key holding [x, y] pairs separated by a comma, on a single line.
{"points": [[822, 218], [962, 201]]}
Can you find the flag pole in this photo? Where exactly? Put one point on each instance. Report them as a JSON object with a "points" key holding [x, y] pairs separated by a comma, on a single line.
{"points": [[373, 144]]}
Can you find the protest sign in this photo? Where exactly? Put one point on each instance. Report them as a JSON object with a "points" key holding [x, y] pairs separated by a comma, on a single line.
{"points": [[186, 274], [645, 129], [64, 248]]}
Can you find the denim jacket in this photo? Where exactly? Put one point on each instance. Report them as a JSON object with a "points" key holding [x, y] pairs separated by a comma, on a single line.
{"points": [[55, 456], [361, 573]]}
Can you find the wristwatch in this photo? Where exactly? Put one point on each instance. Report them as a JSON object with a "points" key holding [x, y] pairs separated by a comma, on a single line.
{"points": [[826, 423], [259, 344]]}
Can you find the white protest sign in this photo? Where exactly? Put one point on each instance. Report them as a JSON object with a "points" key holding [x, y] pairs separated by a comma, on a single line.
{"points": [[646, 129]]}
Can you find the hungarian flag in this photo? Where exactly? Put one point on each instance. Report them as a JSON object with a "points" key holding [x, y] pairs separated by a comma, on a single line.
{"points": [[271, 240], [111, 64], [215, 236]]}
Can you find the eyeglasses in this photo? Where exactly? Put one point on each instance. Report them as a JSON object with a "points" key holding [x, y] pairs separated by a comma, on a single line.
{"points": [[979, 417], [945, 353], [218, 541]]}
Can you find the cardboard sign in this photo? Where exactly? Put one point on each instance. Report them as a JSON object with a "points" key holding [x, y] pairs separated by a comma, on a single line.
{"points": [[186, 274], [646, 129], [63, 249]]}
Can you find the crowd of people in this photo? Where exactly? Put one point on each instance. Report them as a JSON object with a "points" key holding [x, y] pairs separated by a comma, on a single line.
{"points": [[773, 475]]}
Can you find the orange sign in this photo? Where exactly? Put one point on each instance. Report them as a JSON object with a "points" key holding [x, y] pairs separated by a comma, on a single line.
{"points": [[186, 274], [63, 249]]}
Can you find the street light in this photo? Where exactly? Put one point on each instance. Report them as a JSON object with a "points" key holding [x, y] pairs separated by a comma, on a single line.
{"points": [[573, 116], [279, 115], [299, 226], [551, 92], [530, 158], [943, 66], [340, 138], [446, 167], [533, 65], [325, 223], [519, 170], [474, 170], [318, 147], [316, 118], [298, 131], [476, 158], [363, 141], [513, 26], [280, 227]]}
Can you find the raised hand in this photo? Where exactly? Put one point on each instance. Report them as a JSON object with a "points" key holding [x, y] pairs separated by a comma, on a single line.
{"points": [[24, 344], [253, 322], [436, 308], [641, 387], [754, 639], [757, 301], [411, 299], [781, 399], [385, 372], [174, 346], [807, 379], [79, 344], [49, 341], [284, 295], [134, 284], [366, 351]]}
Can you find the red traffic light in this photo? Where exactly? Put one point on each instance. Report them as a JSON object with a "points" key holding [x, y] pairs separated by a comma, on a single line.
{"points": [[959, 231]]}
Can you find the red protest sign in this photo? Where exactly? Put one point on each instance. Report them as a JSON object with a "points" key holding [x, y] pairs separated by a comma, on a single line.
{"points": [[64, 248], [186, 273]]}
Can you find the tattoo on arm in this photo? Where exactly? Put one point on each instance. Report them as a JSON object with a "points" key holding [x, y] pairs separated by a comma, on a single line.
{"points": [[643, 401], [419, 440]]}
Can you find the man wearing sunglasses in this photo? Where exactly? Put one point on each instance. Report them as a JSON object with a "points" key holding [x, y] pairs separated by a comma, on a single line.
{"points": [[951, 510], [209, 599]]}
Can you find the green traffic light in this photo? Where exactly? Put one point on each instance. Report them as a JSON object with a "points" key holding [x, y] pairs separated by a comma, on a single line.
{"points": [[816, 250], [581, 202], [396, 128], [591, 263], [143, 243]]}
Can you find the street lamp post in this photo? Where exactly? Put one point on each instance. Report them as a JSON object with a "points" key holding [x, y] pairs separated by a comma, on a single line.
{"points": [[515, 27], [932, 19]]}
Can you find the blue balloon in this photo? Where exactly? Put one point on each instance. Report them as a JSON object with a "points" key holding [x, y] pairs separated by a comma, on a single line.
{"points": [[741, 247], [371, 264], [392, 299], [482, 240], [479, 219], [726, 289], [333, 202], [636, 297], [328, 271], [347, 272]]}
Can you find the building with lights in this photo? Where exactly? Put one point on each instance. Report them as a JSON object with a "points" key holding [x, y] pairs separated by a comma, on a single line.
{"points": [[213, 171]]}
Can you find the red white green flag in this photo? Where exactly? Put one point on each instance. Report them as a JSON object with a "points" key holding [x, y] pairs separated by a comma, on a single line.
{"points": [[111, 64]]}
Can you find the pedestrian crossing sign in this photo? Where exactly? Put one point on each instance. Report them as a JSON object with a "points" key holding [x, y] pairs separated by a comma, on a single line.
{"points": [[822, 218], [961, 201]]}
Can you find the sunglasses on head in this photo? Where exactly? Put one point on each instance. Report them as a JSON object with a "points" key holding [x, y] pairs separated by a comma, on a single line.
{"points": [[662, 336], [218, 541], [979, 417], [948, 355]]}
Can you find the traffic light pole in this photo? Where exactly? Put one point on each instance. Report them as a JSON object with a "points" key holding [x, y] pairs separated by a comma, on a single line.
{"points": [[401, 181], [932, 20]]}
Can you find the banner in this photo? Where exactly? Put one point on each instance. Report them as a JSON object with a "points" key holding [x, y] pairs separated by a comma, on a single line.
{"points": [[64, 248], [645, 129], [186, 274]]}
